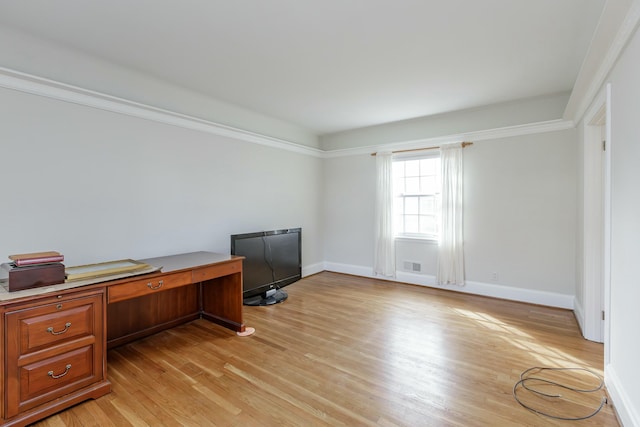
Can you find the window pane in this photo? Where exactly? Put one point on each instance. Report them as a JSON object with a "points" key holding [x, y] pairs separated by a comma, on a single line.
{"points": [[411, 224], [427, 205], [411, 206], [412, 168], [397, 170], [429, 184], [428, 166], [412, 186], [427, 224]]}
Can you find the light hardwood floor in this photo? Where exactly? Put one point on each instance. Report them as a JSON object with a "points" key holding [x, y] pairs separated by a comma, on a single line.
{"points": [[345, 350]]}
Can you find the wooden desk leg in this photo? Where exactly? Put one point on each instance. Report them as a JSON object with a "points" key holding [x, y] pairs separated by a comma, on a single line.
{"points": [[222, 301]]}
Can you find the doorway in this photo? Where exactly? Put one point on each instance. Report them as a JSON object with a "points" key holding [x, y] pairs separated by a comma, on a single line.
{"points": [[592, 297]]}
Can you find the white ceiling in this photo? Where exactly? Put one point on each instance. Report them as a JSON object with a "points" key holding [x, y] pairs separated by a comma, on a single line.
{"points": [[331, 65]]}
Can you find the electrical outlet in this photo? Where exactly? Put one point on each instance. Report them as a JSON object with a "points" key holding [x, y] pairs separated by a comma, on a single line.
{"points": [[494, 276]]}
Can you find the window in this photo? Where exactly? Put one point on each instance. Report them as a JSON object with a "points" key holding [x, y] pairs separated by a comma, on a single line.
{"points": [[416, 188]]}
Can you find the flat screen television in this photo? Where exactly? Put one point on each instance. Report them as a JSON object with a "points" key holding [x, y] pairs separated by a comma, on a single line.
{"points": [[272, 261]]}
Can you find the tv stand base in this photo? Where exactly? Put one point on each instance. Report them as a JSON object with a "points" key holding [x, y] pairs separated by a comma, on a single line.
{"points": [[267, 299]]}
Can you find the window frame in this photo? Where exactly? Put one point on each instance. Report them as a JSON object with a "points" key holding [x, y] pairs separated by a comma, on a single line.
{"points": [[412, 236]]}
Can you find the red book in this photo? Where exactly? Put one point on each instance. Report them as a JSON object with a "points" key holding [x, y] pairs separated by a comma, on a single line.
{"points": [[36, 261], [36, 258]]}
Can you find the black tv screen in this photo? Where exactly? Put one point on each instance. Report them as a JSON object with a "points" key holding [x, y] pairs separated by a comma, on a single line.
{"points": [[272, 261]]}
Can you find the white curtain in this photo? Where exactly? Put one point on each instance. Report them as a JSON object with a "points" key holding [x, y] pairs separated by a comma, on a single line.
{"points": [[450, 249], [384, 261]]}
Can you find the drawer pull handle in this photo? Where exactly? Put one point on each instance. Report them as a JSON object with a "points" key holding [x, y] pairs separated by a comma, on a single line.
{"points": [[55, 377], [66, 328], [150, 285]]}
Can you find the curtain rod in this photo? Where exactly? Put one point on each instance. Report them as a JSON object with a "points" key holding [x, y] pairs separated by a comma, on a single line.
{"points": [[464, 144]]}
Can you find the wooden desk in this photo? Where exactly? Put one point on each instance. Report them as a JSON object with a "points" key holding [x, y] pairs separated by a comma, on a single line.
{"points": [[54, 341], [189, 286]]}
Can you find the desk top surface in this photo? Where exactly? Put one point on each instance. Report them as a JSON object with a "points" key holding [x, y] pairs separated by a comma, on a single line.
{"points": [[160, 265], [186, 261]]}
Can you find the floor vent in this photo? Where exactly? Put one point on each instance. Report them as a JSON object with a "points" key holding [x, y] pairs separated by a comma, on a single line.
{"points": [[412, 266]]}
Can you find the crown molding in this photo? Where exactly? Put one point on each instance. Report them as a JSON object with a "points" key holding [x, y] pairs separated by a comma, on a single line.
{"points": [[504, 132], [580, 101], [11, 79]]}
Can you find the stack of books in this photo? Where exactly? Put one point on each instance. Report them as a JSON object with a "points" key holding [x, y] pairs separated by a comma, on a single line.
{"points": [[37, 258], [34, 269]]}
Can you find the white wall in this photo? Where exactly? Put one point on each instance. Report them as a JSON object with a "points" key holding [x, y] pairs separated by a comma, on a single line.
{"points": [[623, 373], [349, 206], [99, 186], [520, 210]]}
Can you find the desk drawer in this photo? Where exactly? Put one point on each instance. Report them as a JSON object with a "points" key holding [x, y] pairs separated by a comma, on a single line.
{"points": [[138, 288], [56, 323], [55, 376], [214, 271], [62, 334]]}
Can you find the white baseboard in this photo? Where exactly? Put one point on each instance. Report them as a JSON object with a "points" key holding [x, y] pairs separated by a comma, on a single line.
{"points": [[551, 299], [579, 313], [356, 270], [627, 413], [532, 296], [308, 270]]}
